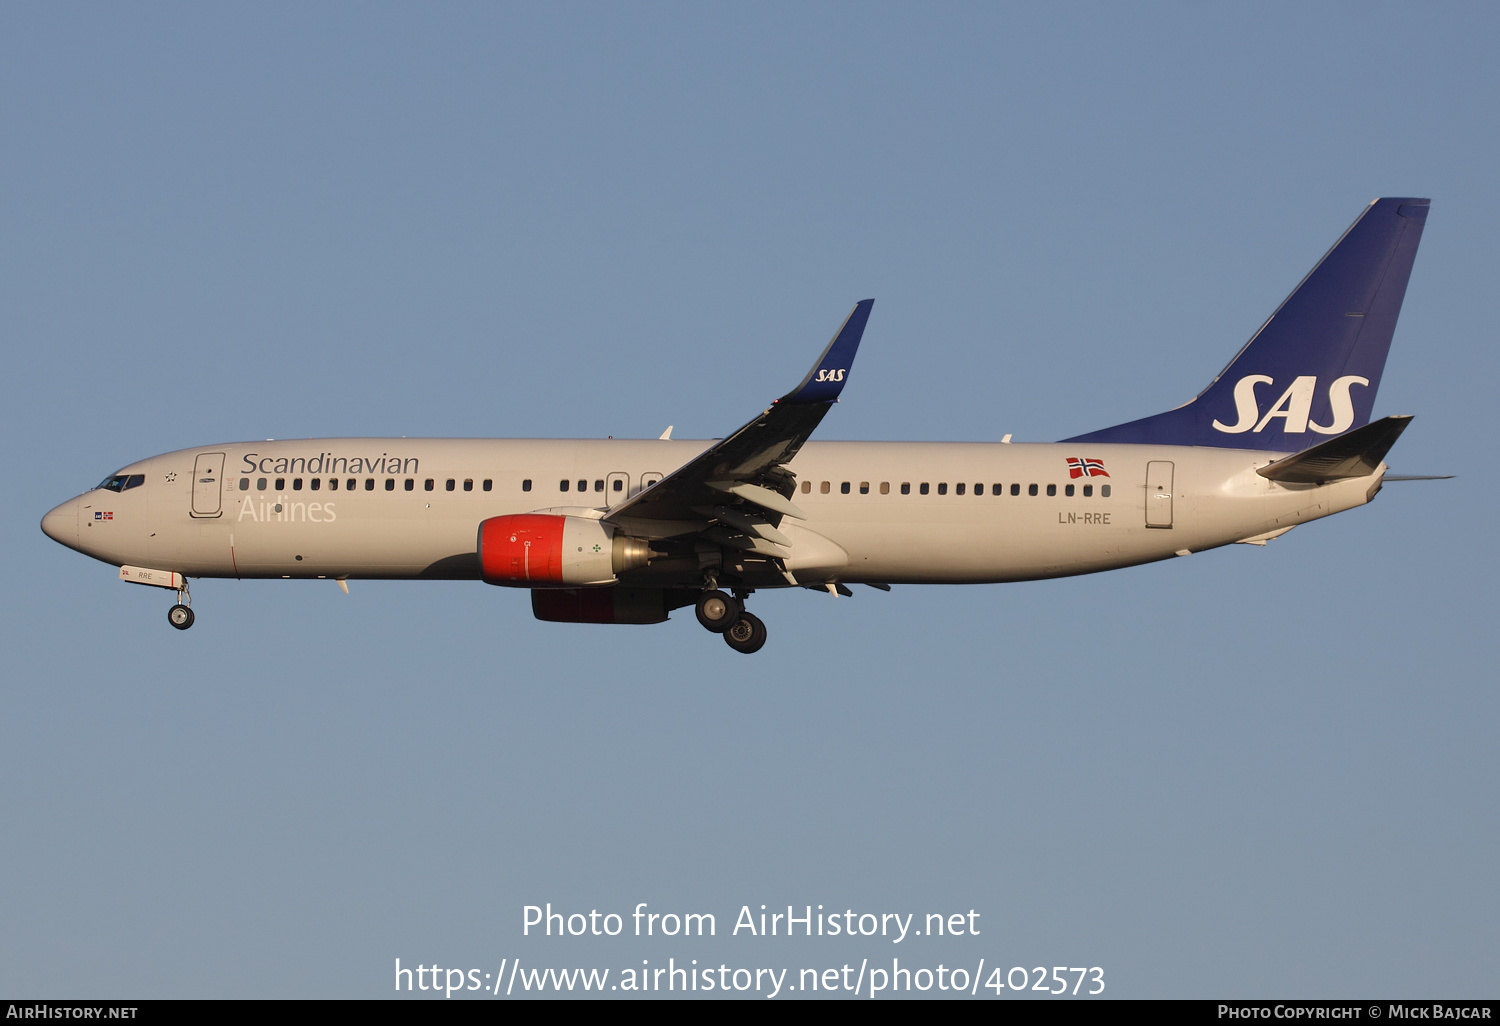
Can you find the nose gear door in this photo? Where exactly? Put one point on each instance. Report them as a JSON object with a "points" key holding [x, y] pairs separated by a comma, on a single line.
{"points": [[208, 470]]}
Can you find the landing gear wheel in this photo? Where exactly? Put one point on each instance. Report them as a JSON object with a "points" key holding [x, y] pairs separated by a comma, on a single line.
{"points": [[747, 634], [718, 611], [180, 616]]}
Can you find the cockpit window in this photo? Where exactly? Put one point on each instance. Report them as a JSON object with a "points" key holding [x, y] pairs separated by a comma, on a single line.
{"points": [[122, 482]]}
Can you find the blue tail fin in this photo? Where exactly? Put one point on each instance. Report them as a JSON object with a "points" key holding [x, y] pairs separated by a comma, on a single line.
{"points": [[1311, 371]]}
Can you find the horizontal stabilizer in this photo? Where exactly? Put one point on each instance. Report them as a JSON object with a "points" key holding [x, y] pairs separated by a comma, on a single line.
{"points": [[1356, 454]]}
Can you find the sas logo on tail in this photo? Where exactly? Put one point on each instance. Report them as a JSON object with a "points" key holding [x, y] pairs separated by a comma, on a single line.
{"points": [[1294, 407], [831, 375]]}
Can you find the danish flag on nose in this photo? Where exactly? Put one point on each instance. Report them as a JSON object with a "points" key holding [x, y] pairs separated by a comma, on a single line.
{"points": [[1086, 468]]}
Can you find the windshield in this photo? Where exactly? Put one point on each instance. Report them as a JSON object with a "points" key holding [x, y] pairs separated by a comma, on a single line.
{"points": [[122, 482]]}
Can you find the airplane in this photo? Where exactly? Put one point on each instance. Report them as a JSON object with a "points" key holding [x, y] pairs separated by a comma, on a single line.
{"points": [[626, 531]]}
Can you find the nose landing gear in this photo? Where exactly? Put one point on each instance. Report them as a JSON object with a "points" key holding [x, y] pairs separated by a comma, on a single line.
{"points": [[181, 614]]}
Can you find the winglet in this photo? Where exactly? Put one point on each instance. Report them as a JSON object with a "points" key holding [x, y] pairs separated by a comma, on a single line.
{"points": [[826, 379]]}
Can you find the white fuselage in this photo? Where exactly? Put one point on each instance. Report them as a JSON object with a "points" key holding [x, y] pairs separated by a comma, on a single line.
{"points": [[393, 513]]}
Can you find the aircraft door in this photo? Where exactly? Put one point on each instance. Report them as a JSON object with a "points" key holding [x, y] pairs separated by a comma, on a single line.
{"points": [[616, 489], [208, 471], [1159, 494]]}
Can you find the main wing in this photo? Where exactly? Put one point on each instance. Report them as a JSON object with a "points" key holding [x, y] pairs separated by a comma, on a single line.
{"points": [[736, 491]]}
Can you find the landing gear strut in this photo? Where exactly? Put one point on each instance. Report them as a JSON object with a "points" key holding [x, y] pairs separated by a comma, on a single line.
{"points": [[725, 614], [181, 615]]}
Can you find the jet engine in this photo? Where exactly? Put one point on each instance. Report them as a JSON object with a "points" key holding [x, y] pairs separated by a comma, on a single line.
{"points": [[544, 550]]}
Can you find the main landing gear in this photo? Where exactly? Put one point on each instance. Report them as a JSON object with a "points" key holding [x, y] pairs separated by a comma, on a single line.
{"points": [[725, 614], [181, 615]]}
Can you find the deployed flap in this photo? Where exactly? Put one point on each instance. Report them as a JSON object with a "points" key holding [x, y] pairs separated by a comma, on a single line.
{"points": [[1356, 454], [753, 456]]}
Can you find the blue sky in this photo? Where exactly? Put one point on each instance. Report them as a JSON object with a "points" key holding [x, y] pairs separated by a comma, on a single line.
{"points": [[1251, 772]]}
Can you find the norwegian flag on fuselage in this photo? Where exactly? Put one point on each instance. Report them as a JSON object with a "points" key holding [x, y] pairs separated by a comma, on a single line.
{"points": [[1086, 468]]}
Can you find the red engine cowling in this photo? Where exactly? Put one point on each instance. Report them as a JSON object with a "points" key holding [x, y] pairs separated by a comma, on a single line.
{"points": [[545, 550]]}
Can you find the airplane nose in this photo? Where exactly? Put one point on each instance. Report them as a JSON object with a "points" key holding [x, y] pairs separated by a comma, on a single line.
{"points": [[61, 524]]}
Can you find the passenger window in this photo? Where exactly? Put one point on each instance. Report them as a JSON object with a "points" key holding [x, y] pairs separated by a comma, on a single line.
{"points": [[806, 487], [1104, 491], [1015, 489], [997, 489], [824, 487], [428, 484], [489, 484], [390, 484], [296, 484], [844, 488], [583, 486], [260, 484], [943, 488], [923, 487], [468, 484], [526, 485], [979, 488], [562, 486], [369, 484], [244, 484], [958, 489], [315, 483], [905, 487], [1088, 490], [619, 485], [1068, 490], [885, 488], [450, 483], [1031, 489], [349, 485], [280, 483], [599, 485], [864, 488], [333, 484], [411, 484], [1052, 489]]}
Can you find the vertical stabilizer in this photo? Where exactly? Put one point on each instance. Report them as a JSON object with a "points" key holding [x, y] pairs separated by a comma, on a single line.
{"points": [[1312, 369]]}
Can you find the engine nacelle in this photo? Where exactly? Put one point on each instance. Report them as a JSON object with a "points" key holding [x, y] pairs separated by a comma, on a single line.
{"points": [[542, 550]]}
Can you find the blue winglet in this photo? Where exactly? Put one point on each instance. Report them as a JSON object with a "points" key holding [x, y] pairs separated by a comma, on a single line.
{"points": [[826, 379]]}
